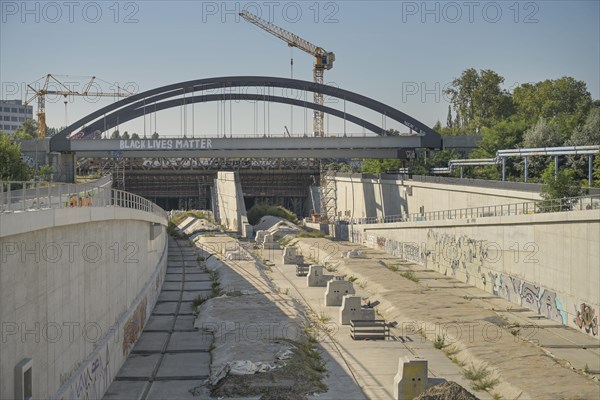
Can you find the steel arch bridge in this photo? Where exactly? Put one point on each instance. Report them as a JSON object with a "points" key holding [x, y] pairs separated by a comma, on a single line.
{"points": [[166, 97]]}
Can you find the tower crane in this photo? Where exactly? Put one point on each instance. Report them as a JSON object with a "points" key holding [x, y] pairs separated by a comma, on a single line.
{"points": [[323, 60], [63, 90]]}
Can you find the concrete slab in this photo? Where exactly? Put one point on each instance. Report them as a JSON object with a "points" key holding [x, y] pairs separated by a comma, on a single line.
{"points": [[184, 365], [197, 277], [173, 277], [197, 285], [139, 366], [186, 308], [171, 286], [192, 295], [173, 263], [166, 295], [178, 390], [151, 342], [125, 390], [175, 270], [159, 323], [192, 341], [165, 308], [184, 322]]}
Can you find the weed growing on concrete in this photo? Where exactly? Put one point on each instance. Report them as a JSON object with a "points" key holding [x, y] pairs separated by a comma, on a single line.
{"points": [[197, 302], [481, 377], [352, 278], [393, 268], [586, 369], [209, 235], [323, 318], [410, 275], [496, 396], [456, 361], [330, 268], [439, 342], [362, 284], [450, 350]]}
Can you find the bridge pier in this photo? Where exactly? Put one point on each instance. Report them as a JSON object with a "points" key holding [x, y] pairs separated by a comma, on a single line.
{"points": [[63, 166]]}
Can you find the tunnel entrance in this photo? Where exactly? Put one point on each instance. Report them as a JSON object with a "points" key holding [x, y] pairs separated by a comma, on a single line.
{"points": [[286, 184]]}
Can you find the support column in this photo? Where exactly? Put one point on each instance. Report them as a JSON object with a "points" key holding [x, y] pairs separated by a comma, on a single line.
{"points": [[590, 169], [503, 169], [462, 173], [555, 167], [526, 169]]}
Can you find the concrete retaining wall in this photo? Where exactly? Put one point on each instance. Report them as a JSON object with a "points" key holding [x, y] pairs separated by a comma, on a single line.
{"points": [[76, 289], [359, 196], [545, 262]]}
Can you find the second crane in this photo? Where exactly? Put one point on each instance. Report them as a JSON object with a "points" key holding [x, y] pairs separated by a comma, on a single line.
{"points": [[323, 61]]}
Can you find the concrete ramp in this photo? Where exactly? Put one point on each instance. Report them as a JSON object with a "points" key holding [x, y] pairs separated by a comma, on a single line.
{"points": [[230, 210]]}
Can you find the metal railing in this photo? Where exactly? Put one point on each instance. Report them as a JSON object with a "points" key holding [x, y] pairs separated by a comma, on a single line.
{"points": [[19, 196], [532, 207]]}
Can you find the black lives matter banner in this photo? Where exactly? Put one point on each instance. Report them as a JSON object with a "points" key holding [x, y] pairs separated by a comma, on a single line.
{"points": [[166, 144]]}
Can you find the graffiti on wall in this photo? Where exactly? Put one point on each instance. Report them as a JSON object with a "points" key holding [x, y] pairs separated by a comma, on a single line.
{"points": [[586, 319], [543, 301], [93, 381], [133, 327], [474, 261]]}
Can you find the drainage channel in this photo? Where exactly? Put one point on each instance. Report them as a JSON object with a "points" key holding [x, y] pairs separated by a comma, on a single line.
{"points": [[170, 358]]}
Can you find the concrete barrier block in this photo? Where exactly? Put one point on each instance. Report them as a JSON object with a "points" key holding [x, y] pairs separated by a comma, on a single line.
{"points": [[269, 243], [247, 231], [336, 290], [351, 309], [316, 278], [411, 379], [354, 254], [291, 256], [260, 237]]}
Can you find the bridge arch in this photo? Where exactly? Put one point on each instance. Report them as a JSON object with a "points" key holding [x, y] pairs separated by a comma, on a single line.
{"points": [[128, 106], [134, 111]]}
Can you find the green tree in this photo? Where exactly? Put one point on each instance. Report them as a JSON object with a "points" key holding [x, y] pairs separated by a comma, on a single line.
{"points": [[12, 167], [115, 135], [492, 104], [506, 134], [438, 126], [544, 133], [135, 136], [566, 100], [125, 135], [462, 94], [449, 118], [589, 133], [379, 166], [27, 130], [479, 100], [45, 172], [155, 135], [560, 187], [442, 157], [586, 135], [597, 170], [392, 132]]}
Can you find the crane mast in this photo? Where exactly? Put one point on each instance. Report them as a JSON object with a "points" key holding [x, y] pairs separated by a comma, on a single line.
{"points": [[65, 91], [323, 61]]}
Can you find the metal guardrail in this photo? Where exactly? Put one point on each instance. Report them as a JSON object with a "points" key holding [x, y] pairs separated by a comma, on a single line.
{"points": [[19, 196], [532, 207]]}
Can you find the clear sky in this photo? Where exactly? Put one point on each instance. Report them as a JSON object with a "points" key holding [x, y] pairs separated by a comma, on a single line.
{"points": [[399, 52]]}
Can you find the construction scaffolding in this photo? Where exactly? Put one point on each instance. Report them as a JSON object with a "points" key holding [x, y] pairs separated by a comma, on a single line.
{"points": [[328, 195]]}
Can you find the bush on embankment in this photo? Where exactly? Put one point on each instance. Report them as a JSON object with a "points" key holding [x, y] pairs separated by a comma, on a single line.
{"points": [[260, 210]]}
